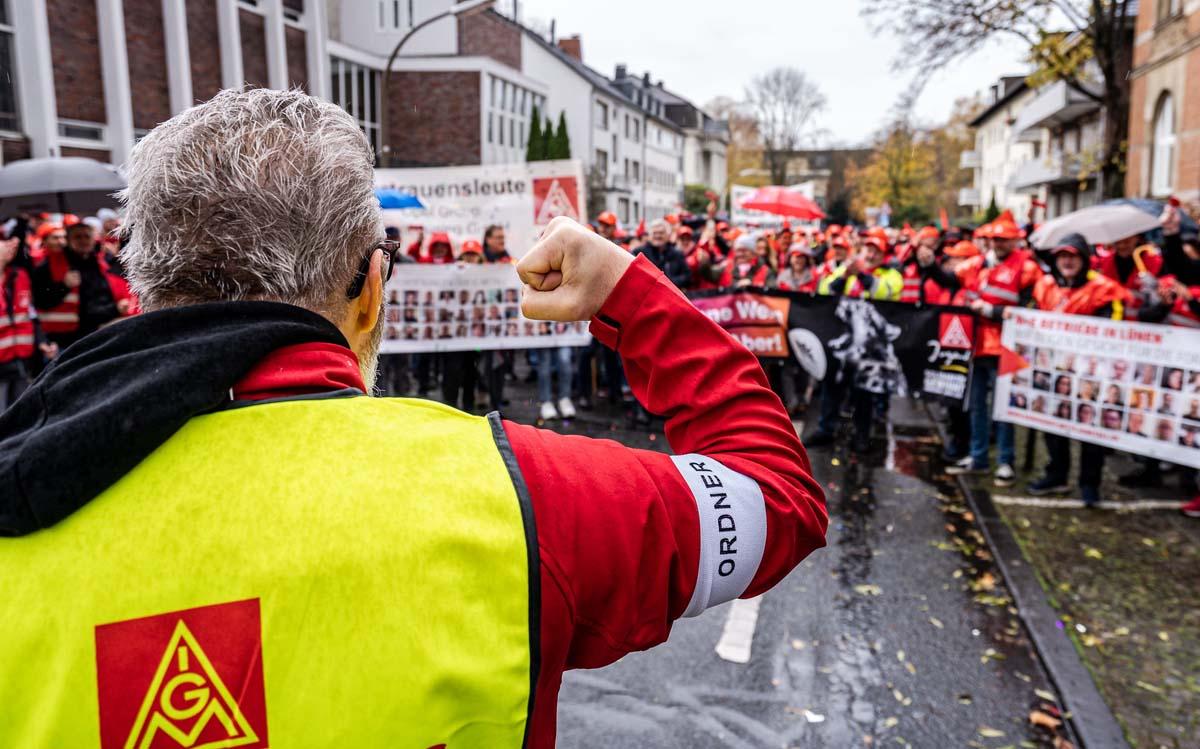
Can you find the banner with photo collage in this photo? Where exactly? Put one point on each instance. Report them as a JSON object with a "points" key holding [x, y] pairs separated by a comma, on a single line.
{"points": [[433, 308], [1130, 386]]}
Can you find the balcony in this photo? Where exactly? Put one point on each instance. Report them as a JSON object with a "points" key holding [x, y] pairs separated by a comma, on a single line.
{"points": [[1055, 105], [619, 183], [969, 196], [1055, 168], [969, 160]]}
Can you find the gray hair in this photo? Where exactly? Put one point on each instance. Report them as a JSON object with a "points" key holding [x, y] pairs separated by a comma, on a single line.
{"points": [[660, 223], [253, 195]]}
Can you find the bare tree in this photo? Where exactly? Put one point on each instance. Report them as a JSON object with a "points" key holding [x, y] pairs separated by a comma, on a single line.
{"points": [[1086, 44], [784, 103], [744, 153]]}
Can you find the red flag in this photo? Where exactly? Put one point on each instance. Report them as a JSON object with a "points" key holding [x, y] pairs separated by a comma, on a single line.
{"points": [[944, 218], [1011, 361], [641, 229]]}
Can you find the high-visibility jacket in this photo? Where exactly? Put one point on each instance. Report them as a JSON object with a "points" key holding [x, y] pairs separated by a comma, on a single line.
{"points": [[999, 285], [16, 321], [329, 571], [1181, 313], [888, 284], [911, 292], [64, 317], [1097, 292]]}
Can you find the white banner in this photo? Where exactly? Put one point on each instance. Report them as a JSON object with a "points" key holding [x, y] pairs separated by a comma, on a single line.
{"points": [[464, 200], [465, 307], [1131, 386]]}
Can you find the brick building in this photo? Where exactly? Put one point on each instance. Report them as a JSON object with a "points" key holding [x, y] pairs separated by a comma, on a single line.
{"points": [[88, 77], [1164, 111]]}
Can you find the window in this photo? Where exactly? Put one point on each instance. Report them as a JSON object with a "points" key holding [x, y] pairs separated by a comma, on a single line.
{"points": [[637, 210], [623, 210], [602, 163], [390, 16], [1169, 9], [614, 148], [637, 171], [356, 88], [501, 130], [601, 115], [1162, 161], [637, 134], [8, 90], [490, 139]]}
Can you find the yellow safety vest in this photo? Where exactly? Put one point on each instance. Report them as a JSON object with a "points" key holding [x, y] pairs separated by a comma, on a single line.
{"points": [[348, 572]]}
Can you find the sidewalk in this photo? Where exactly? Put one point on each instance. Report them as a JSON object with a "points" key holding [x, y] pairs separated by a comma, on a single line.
{"points": [[1125, 584]]}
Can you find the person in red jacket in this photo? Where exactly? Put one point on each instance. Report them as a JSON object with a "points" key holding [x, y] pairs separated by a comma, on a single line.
{"points": [[1136, 267], [746, 267], [798, 273], [1004, 277], [621, 542], [1074, 288], [441, 251], [75, 292], [17, 335]]}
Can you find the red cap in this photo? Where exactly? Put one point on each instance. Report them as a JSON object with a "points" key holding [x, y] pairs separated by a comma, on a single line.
{"points": [[877, 243], [928, 232], [685, 231], [722, 226], [1173, 201], [833, 229], [471, 246], [839, 241], [965, 248], [608, 217], [787, 226], [1004, 227], [70, 219], [439, 237], [44, 230]]}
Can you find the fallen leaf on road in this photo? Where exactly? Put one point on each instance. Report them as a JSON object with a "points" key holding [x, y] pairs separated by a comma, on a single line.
{"points": [[812, 717], [1093, 553], [1148, 541], [891, 721], [911, 668], [956, 574], [990, 733], [798, 644], [835, 462], [936, 622], [1149, 687], [900, 655], [1061, 743], [965, 699], [898, 695], [1022, 677], [1038, 718], [985, 582], [1047, 696], [1164, 636], [868, 590]]}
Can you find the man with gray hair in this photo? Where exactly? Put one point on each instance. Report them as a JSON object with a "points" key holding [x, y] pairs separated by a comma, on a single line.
{"points": [[662, 252], [217, 535]]}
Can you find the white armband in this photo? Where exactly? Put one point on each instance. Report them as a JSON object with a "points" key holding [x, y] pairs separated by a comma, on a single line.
{"points": [[733, 530]]}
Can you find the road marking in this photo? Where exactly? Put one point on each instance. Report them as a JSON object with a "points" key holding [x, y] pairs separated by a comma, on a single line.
{"points": [[889, 463], [738, 634], [1140, 505]]}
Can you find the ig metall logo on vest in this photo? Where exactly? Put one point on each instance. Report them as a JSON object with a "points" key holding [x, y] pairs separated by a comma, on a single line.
{"points": [[191, 679]]}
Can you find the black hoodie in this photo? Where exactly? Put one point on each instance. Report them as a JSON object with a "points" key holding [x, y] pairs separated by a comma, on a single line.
{"points": [[113, 397]]}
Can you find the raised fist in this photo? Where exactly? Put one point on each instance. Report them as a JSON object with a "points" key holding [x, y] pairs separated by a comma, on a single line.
{"points": [[569, 273]]}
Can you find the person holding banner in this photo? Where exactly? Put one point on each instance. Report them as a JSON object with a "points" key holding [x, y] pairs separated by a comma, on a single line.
{"points": [[1004, 277], [1073, 287]]}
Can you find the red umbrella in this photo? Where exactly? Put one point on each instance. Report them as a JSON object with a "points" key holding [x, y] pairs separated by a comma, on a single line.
{"points": [[783, 202]]}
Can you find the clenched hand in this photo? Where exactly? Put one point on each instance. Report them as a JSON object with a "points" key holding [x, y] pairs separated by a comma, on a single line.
{"points": [[569, 273]]}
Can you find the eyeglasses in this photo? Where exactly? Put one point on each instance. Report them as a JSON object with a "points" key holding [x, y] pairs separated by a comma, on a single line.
{"points": [[390, 247]]}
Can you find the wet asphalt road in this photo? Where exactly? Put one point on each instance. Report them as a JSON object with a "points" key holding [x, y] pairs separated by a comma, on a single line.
{"points": [[847, 651]]}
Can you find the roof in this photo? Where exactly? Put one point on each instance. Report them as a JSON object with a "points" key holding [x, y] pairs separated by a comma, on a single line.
{"points": [[1012, 92], [597, 79]]}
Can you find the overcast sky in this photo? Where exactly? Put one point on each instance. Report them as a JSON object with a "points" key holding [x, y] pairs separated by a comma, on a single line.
{"points": [[705, 48]]}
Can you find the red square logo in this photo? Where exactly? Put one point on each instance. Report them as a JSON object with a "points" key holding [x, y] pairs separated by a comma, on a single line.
{"points": [[956, 331], [191, 679], [554, 197]]}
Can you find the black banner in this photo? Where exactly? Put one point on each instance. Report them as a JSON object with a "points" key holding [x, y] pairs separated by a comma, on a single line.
{"points": [[885, 347]]}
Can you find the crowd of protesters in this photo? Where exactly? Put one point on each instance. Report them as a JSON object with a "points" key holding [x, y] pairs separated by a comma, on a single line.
{"points": [[62, 279]]}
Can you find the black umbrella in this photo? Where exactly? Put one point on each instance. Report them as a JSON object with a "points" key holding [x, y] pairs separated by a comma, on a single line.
{"points": [[63, 185]]}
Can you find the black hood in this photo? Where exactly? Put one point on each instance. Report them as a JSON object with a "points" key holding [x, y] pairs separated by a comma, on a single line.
{"points": [[113, 397]]}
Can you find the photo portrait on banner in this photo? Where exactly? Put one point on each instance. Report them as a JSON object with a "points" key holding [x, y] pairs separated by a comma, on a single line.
{"points": [[465, 308]]}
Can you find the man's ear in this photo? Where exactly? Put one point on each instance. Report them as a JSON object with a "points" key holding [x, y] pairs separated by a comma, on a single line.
{"points": [[371, 299]]}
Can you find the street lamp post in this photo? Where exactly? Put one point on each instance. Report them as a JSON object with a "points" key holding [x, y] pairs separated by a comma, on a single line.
{"points": [[464, 9]]}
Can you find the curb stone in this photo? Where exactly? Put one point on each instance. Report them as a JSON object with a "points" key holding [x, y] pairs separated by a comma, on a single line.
{"points": [[1093, 722]]}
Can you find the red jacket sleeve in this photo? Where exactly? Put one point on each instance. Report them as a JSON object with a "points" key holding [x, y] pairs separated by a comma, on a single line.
{"points": [[623, 533]]}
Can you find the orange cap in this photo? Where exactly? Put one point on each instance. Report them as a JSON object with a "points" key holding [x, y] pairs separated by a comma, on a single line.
{"points": [[471, 246], [671, 219], [965, 248], [928, 231], [1004, 227], [608, 217], [45, 229]]}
